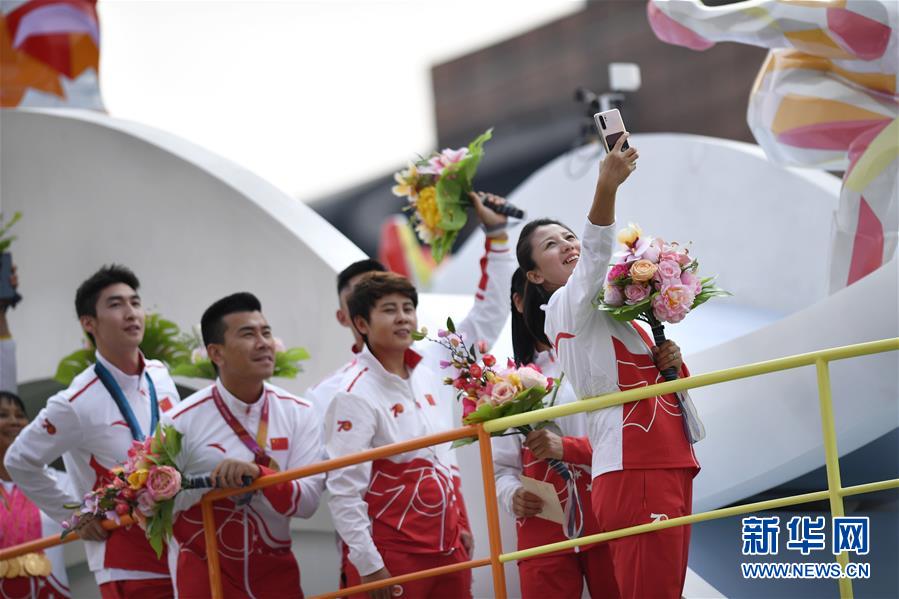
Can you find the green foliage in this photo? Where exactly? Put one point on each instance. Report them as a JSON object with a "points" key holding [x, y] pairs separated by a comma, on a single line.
{"points": [[6, 240], [201, 369], [452, 190], [71, 365], [164, 341], [709, 290]]}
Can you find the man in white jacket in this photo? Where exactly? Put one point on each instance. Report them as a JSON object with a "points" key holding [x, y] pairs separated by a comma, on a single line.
{"points": [[239, 428], [92, 424]]}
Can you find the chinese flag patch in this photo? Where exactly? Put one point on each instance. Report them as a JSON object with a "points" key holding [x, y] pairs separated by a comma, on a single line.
{"points": [[166, 404], [279, 443], [430, 399]]}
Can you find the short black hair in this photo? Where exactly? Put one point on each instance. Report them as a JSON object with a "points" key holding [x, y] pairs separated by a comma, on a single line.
{"points": [[89, 291], [355, 269], [212, 325], [12, 398], [375, 285]]}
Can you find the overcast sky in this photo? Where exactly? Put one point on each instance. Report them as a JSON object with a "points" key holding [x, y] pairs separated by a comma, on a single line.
{"points": [[313, 96]]}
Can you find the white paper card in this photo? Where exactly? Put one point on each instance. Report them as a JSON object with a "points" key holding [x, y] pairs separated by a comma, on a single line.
{"points": [[552, 507]]}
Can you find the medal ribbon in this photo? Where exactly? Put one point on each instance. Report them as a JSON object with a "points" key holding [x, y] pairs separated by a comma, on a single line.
{"points": [[118, 396], [255, 445]]}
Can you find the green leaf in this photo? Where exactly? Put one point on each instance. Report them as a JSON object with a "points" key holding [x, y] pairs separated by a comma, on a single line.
{"points": [[418, 335], [172, 443], [463, 442], [201, 370], [627, 313], [452, 202], [484, 413], [72, 365], [297, 354], [709, 290], [450, 325]]}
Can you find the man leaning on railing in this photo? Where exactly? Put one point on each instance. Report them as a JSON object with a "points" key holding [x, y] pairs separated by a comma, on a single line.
{"points": [[240, 428]]}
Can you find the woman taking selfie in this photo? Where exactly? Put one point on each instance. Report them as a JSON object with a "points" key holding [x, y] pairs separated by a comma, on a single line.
{"points": [[643, 465]]}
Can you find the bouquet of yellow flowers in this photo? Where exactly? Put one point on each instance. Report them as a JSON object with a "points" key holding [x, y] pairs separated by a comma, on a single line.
{"points": [[437, 188]]}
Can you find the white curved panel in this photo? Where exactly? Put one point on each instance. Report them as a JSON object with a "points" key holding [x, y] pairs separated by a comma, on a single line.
{"points": [[192, 225]]}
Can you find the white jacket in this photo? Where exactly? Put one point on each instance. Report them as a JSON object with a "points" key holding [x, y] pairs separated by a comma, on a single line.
{"points": [[84, 425], [600, 355], [409, 502]]}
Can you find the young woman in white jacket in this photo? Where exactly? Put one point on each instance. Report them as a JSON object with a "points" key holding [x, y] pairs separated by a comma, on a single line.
{"points": [[558, 574], [643, 465]]}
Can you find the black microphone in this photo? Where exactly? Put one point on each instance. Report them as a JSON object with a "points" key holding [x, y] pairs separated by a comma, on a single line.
{"points": [[506, 209]]}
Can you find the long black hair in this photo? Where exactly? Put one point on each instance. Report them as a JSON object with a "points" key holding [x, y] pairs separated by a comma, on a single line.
{"points": [[524, 348], [534, 295]]}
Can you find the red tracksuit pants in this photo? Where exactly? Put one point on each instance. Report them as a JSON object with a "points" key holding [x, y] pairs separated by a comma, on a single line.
{"points": [[151, 588], [449, 586], [647, 565], [550, 576]]}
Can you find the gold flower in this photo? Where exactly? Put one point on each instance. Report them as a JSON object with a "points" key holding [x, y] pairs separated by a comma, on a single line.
{"points": [[642, 271]]}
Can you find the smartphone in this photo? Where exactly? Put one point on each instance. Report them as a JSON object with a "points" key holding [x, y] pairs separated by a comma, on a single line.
{"points": [[611, 127]]}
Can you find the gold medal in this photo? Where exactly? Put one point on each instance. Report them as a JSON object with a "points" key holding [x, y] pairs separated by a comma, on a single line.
{"points": [[32, 564], [4, 566], [46, 565], [14, 568]]}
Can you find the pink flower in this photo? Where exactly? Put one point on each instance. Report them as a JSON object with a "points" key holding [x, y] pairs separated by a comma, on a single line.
{"points": [[279, 345], [503, 392], [669, 270], [468, 406], [146, 505], [653, 252], [673, 303], [635, 294], [482, 346], [163, 483], [444, 364], [439, 163], [442, 333], [121, 507], [613, 296], [692, 281], [618, 271], [531, 377]]}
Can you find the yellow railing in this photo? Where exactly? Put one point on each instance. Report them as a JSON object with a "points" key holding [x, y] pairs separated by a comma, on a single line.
{"points": [[835, 491]]}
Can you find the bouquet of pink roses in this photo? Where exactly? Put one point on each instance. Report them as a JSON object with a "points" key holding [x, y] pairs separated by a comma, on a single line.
{"points": [[654, 281], [143, 488], [489, 392], [437, 188]]}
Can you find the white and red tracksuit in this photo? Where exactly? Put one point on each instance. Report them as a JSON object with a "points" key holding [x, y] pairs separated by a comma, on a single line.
{"points": [[36, 525], [559, 574], [404, 512], [84, 425], [643, 465], [253, 539]]}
